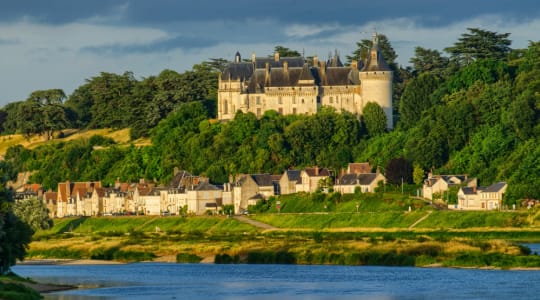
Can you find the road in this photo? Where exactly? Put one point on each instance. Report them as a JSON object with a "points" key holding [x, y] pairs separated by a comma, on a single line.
{"points": [[255, 223]]}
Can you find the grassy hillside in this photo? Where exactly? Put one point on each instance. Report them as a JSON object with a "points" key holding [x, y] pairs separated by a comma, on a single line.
{"points": [[119, 136]]}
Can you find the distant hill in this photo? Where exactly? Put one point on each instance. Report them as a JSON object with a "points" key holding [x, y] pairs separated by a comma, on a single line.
{"points": [[121, 137]]}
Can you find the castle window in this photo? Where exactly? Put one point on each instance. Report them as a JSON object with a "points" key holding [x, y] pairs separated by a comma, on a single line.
{"points": [[293, 100], [294, 110], [280, 111], [280, 101], [332, 100], [225, 107], [302, 100], [258, 112], [258, 100]]}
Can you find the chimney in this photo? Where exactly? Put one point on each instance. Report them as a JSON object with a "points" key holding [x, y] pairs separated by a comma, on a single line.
{"points": [[315, 61], [323, 67], [267, 67], [285, 67], [117, 182], [276, 56], [253, 57], [316, 170], [354, 64]]}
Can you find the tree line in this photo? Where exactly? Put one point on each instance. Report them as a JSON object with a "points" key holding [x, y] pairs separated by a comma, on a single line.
{"points": [[474, 111]]}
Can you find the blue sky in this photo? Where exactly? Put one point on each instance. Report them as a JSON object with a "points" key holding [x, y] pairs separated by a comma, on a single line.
{"points": [[61, 43]]}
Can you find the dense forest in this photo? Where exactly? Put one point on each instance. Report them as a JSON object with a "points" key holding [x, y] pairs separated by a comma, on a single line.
{"points": [[473, 111]]}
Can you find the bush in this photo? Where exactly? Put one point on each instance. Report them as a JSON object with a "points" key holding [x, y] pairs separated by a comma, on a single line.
{"points": [[268, 257], [187, 258], [226, 259]]}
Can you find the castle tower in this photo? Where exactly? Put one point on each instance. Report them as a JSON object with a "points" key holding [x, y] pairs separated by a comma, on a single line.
{"points": [[376, 80]]}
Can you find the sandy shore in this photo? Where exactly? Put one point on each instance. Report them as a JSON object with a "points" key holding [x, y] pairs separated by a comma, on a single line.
{"points": [[68, 262]]}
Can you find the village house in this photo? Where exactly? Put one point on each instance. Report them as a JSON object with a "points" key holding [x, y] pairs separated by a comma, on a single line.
{"points": [[288, 181], [71, 199], [480, 198], [247, 189], [438, 184], [310, 179], [363, 182]]}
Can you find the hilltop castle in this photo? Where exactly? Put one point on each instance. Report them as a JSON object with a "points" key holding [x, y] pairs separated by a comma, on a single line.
{"points": [[289, 85]]}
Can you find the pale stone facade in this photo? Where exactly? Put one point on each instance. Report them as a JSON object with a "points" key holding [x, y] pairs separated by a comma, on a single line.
{"points": [[480, 198], [439, 184], [288, 85], [365, 182]]}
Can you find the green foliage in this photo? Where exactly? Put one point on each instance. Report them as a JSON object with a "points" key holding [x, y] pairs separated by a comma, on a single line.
{"points": [[416, 99], [34, 213], [374, 118], [187, 258], [479, 44], [17, 291]]}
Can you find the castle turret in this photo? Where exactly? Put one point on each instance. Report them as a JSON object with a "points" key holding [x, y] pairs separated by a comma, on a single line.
{"points": [[376, 80]]}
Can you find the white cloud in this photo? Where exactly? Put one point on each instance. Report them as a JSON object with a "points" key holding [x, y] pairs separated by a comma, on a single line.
{"points": [[41, 56], [303, 30]]}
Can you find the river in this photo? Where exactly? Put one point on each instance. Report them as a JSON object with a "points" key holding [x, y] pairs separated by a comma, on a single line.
{"points": [[283, 282]]}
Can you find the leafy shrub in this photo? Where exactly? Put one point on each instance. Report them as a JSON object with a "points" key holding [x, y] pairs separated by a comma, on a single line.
{"points": [[187, 258], [226, 259]]}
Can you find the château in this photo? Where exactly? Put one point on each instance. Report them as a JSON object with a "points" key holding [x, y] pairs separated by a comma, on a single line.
{"points": [[291, 85]]}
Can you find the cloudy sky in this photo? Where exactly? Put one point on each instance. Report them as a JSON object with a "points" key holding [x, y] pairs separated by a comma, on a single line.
{"points": [[60, 43]]}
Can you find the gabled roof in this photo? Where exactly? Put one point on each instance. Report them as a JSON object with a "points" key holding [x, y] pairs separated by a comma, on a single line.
{"points": [[468, 190], [206, 186], [358, 168], [293, 175], [354, 179], [179, 179], [495, 188], [316, 171], [262, 179]]}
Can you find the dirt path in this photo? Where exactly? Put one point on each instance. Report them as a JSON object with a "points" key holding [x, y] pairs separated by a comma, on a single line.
{"points": [[255, 223], [421, 219]]}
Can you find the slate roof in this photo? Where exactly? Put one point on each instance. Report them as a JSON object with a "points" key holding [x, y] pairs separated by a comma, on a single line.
{"points": [[293, 175], [178, 179], [468, 190], [379, 64], [495, 188], [353, 179], [206, 186], [262, 179], [312, 171]]}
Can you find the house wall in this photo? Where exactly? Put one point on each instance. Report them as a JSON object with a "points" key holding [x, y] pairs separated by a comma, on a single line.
{"points": [[287, 186]]}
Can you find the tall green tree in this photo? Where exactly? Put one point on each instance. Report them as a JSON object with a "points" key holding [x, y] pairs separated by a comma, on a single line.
{"points": [[428, 61], [286, 52], [416, 99], [479, 44], [34, 213], [374, 119], [15, 235]]}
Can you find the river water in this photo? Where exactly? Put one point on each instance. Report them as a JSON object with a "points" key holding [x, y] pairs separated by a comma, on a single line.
{"points": [[283, 282]]}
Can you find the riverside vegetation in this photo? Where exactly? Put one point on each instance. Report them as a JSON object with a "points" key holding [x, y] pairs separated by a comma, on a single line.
{"points": [[377, 232]]}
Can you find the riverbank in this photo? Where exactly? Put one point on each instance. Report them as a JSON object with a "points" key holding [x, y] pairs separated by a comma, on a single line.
{"points": [[328, 239]]}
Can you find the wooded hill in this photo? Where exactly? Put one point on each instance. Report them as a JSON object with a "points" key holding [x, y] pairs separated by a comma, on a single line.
{"points": [[474, 111]]}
